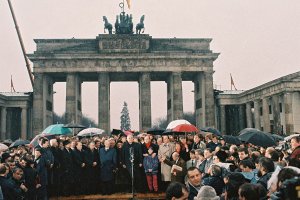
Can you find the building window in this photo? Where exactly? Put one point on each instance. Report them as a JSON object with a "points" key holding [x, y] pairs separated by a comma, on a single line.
{"points": [[197, 87], [270, 109], [260, 111], [169, 104], [199, 103], [280, 107]]}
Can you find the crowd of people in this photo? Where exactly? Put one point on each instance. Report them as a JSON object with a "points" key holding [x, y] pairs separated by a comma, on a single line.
{"points": [[200, 166]]}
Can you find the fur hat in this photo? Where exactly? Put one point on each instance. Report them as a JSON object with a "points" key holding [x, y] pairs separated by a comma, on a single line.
{"points": [[207, 193]]}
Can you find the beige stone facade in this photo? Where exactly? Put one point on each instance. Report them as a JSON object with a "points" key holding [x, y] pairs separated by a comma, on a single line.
{"points": [[272, 107], [15, 117], [109, 58]]}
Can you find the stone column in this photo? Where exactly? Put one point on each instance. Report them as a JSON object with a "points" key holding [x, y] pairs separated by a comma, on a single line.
{"points": [[73, 99], [199, 93], [104, 102], [266, 115], [242, 115], [175, 105], [257, 114], [38, 104], [145, 101], [289, 119], [223, 119], [276, 114], [249, 115], [3, 123], [209, 100], [24, 123]]}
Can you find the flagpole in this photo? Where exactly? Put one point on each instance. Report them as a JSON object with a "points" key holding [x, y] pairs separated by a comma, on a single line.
{"points": [[21, 43]]}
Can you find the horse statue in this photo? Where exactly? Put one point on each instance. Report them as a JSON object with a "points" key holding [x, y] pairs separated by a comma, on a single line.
{"points": [[140, 26], [107, 25]]}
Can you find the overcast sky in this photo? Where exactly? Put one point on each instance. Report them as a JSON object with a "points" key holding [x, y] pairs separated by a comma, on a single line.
{"points": [[258, 41]]}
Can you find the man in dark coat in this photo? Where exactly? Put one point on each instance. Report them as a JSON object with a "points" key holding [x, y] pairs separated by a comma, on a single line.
{"points": [[133, 152], [55, 178], [13, 188], [41, 168], [92, 171], [79, 167], [194, 182], [67, 178], [108, 164]]}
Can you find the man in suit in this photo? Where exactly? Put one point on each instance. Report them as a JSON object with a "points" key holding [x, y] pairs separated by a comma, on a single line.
{"points": [[41, 168], [67, 169], [192, 162], [176, 174]]}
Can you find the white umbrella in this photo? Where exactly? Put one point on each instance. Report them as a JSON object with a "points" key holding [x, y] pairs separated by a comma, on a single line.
{"points": [[3, 147], [177, 122], [90, 132], [290, 137]]}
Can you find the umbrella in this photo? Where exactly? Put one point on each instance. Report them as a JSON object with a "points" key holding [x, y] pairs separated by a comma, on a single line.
{"points": [[35, 141], [116, 132], [155, 131], [90, 132], [72, 125], [174, 123], [57, 129], [171, 132], [211, 130], [277, 137], [128, 133], [230, 139], [186, 128], [19, 142], [291, 136], [3, 147], [256, 137], [7, 142]]}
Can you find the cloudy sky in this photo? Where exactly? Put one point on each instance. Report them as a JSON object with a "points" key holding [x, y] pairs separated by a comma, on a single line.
{"points": [[258, 41]]}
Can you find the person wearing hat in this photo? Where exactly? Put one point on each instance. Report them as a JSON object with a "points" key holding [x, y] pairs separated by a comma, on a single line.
{"points": [[207, 193], [41, 168]]}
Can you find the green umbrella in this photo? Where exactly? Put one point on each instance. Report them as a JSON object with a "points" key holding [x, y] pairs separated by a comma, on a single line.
{"points": [[57, 129]]}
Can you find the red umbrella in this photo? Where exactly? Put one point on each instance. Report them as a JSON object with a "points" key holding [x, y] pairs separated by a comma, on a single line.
{"points": [[128, 133], [186, 128]]}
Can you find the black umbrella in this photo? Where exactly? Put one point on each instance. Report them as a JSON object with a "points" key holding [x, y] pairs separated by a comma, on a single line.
{"points": [[230, 139], [277, 138], [171, 132], [155, 131], [256, 137], [211, 130], [72, 125], [19, 142], [117, 132]]}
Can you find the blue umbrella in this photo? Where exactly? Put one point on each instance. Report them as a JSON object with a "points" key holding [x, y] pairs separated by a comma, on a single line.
{"points": [[57, 129]]}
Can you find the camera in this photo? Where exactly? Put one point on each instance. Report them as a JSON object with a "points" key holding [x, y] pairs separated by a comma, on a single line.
{"points": [[289, 190]]}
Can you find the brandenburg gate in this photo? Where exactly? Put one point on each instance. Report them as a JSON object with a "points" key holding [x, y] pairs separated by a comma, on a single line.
{"points": [[122, 57]]}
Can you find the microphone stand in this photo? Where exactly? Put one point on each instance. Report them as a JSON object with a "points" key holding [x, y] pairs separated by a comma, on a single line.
{"points": [[131, 152]]}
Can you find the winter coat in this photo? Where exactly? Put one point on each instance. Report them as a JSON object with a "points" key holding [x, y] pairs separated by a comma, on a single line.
{"points": [[216, 182], [41, 168], [108, 163], [150, 163], [166, 150]]}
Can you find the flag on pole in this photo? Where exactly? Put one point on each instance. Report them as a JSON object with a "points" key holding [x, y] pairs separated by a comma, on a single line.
{"points": [[12, 88], [232, 83], [129, 3]]}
